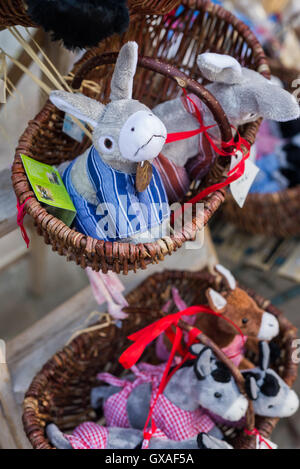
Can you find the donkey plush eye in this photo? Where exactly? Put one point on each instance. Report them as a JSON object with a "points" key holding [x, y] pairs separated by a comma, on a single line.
{"points": [[106, 144], [245, 320], [218, 395]]}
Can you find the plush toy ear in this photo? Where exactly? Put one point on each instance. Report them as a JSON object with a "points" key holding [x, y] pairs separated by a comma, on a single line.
{"points": [[264, 355], [227, 276], [220, 68], [122, 79], [78, 105], [275, 103], [251, 386], [203, 366], [196, 348], [215, 300]]}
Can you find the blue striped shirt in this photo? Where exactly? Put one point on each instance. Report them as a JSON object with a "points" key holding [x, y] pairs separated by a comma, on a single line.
{"points": [[121, 211]]}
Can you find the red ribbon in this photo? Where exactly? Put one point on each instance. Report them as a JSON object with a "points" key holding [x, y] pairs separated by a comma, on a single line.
{"points": [[20, 219], [233, 174], [255, 432], [145, 336]]}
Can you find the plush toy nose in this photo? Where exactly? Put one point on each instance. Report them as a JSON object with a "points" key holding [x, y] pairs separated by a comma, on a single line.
{"points": [[142, 137], [291, 404], [269, 327], [237, 411]]}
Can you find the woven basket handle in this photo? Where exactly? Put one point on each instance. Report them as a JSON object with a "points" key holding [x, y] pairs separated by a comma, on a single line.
{"points": [[205, 340], [168, 71]]}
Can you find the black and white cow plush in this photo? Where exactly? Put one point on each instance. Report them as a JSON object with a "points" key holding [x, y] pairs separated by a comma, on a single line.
{"points": [[202, 385], [271, 396]]}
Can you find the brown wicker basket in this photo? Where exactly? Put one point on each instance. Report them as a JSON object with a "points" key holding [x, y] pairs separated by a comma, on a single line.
{"points": [[273, 214], [13, 12], [60, 391], [213, 29]]}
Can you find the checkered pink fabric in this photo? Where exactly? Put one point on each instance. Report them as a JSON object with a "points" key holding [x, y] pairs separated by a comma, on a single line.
{"points": [[175, 423], [177, 179], [88, 435]]}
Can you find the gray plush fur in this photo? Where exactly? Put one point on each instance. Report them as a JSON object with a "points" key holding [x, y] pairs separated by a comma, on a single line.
{"points": [[122, 80], [129, 438], [245, 96], [282, 402], [187, 390]]}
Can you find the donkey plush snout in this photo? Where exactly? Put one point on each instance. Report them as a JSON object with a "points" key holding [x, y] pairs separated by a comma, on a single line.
{"points": [[237, 410], [142, 137], [269, 327]]}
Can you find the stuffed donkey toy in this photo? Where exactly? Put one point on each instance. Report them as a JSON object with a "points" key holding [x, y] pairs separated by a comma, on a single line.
{"points": [[202, 385], [271, 396], [80, 23], [245, 96], [235, 304], [101, 182], [89, 435]]}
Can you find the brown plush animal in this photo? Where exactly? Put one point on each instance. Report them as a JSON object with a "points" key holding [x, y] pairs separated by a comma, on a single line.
{"points": [[235, 304]]}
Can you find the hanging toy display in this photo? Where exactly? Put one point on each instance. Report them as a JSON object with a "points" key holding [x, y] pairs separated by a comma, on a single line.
{"points": [[155, 82], [101, 182]]}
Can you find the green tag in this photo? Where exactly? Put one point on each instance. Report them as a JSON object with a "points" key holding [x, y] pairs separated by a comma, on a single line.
{"points": [[49, 189]]}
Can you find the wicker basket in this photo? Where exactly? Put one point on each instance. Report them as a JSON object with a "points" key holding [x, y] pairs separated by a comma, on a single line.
{"points": [[60, 392], [213, 29], [13, 12], [273, 214]]}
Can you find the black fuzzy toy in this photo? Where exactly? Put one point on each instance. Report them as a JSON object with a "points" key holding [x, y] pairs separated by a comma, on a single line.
{"points": [[80, 23]]}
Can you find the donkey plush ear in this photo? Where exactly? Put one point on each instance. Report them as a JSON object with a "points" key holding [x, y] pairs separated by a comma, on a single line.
{"points": [[78, 105], [264, 355], [251, 386], [216, 301], [203, 365], [196, 348], [275, 103], [122, 79], [220, 68]]}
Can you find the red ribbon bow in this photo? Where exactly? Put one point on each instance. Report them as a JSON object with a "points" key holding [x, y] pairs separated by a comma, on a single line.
{"points": [[238, 145], [255, 432]]}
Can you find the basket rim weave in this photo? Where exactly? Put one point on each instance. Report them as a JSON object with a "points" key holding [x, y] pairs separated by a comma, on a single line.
{"points": [[33, 419]]}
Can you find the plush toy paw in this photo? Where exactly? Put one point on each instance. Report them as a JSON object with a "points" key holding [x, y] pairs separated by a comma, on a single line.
{"points": [[56, 437]]}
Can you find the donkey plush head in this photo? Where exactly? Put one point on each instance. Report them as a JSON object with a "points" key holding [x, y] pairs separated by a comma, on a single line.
{"points": [[244, 94], [125, 131], [271, 396], [216, 389], [235, 304]]}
